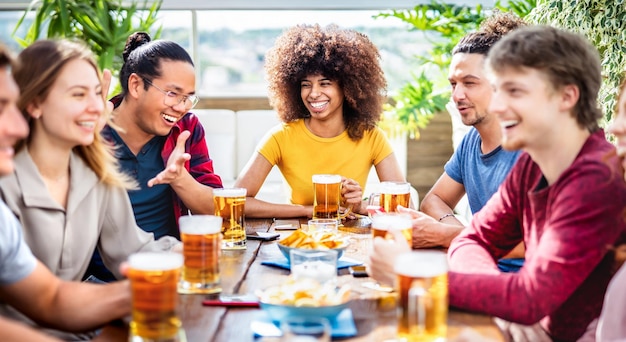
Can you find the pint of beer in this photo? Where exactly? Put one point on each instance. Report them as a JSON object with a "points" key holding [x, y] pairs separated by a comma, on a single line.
{"points": [[326, 196], [422, 284], [229, 205], [153, 282], [393, 194], [383, 223], [201, 235]]}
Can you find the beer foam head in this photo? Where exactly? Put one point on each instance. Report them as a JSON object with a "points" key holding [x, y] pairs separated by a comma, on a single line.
{"points": [[391, 221], [326, 179], [395, 188], [232, 192], [421, 264], [154, 261], [200, 224]]}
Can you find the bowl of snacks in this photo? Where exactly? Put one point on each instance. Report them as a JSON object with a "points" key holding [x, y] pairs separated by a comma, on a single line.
{"points": [[317, 240], [304, 298]]}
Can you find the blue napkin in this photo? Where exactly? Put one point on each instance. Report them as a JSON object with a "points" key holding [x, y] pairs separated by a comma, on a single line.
{"points": [[283, 263], [342, 326]]}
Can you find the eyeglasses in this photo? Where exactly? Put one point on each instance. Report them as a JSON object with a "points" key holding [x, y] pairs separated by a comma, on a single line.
{"points": [[173, 98]]}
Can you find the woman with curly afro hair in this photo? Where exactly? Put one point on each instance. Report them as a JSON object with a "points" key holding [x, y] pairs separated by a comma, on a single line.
{"points": [[328, 89]]}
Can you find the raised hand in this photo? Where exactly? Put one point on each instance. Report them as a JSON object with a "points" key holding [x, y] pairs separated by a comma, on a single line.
{"points": [[175, 164]]}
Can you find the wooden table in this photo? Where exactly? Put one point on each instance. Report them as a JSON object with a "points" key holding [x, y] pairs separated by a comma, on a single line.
{"points": [[242, 272]]}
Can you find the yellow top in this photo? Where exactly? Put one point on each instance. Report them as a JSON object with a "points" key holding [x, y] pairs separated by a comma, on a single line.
{"points": [[299, 154]]}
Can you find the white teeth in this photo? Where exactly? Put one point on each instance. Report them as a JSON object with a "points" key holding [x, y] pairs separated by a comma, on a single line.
{"points": [[508, 123], [88, 124], [169, 118], [318, 104]]}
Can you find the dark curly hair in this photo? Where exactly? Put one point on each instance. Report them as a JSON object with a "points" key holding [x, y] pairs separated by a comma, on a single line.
{"points": [[345, 56], [489, 33]]}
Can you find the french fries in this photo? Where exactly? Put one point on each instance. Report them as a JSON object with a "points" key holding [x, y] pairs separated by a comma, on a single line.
{"points": [[313, 240]]}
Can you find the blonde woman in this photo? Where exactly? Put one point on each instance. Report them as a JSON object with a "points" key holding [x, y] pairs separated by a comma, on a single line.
{"points": [[66, 190]]}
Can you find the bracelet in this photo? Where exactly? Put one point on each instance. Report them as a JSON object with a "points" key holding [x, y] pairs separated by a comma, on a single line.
{"points": [[444, 216]]}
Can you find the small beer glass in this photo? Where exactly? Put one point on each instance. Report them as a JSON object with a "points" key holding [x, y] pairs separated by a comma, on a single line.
{"points": [[326, 196], [153, 283], [229, 205], [422, 284], [391, 195], [201, 235]]}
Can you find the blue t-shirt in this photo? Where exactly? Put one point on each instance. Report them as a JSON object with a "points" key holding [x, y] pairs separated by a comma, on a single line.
{"points": [[480, 174], [16, 259]]}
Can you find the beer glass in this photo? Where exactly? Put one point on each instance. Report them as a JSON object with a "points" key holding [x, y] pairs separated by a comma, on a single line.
{"points": [[201, 250], [229, 205], [392, 194], [318, 225], [318, 265], [383, 223], [153, 282], [422, 285], [326, 196]]}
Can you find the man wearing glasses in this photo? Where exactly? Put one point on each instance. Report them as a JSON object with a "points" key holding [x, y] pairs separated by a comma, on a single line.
{"points": [[158, 142]]}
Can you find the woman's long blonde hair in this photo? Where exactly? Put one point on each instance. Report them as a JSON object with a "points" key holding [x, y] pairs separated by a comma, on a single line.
{"points": [[38, 67]]}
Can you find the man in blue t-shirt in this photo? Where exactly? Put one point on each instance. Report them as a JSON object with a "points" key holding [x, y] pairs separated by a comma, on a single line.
{"points": [[25, 283], [479, 164]]}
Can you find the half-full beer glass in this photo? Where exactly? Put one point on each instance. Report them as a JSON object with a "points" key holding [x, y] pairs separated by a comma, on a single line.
{"points": [[326, 196], [202, 238], [383, 223], [229, 205], [422, 284], [153, 282]]}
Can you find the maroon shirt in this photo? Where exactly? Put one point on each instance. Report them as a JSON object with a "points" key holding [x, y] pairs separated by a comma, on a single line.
{"points": [[567, 228]]}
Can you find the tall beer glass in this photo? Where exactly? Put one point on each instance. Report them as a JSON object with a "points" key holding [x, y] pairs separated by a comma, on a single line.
{"points": [[422, 284], [229, 205], [383, 223], [153, 281], [326, 196], [393, 194], [201, 235]]}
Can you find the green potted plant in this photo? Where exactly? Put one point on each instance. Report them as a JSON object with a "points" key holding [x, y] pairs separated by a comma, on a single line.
{"points": [[412, 107], [103, 24]]}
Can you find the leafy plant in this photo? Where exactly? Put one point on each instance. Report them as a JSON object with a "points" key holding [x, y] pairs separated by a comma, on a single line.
{"points": [[103, 24], [419, 99], [603, 22]]}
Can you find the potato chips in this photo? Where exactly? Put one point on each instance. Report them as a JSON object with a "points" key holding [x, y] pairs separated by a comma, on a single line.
{"points": [[305, 293], [313, 240]]}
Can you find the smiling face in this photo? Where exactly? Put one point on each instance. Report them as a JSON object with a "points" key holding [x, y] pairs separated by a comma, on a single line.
{"points": [[70, 113], [471, 91], [618, 127], [322, 97], [528, 106], [154, 115], [13, 127]]}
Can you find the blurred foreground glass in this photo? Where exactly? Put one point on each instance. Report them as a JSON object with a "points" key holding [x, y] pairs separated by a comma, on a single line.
{"points": [[326, 196], [305, 329], [201, 250], [422, 284], [317, 225], [318, 265], [383, 223], [229, 205], [153, 282]]}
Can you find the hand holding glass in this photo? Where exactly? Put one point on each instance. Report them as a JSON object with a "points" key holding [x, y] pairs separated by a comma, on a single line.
{"points": [[229, 205]]}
